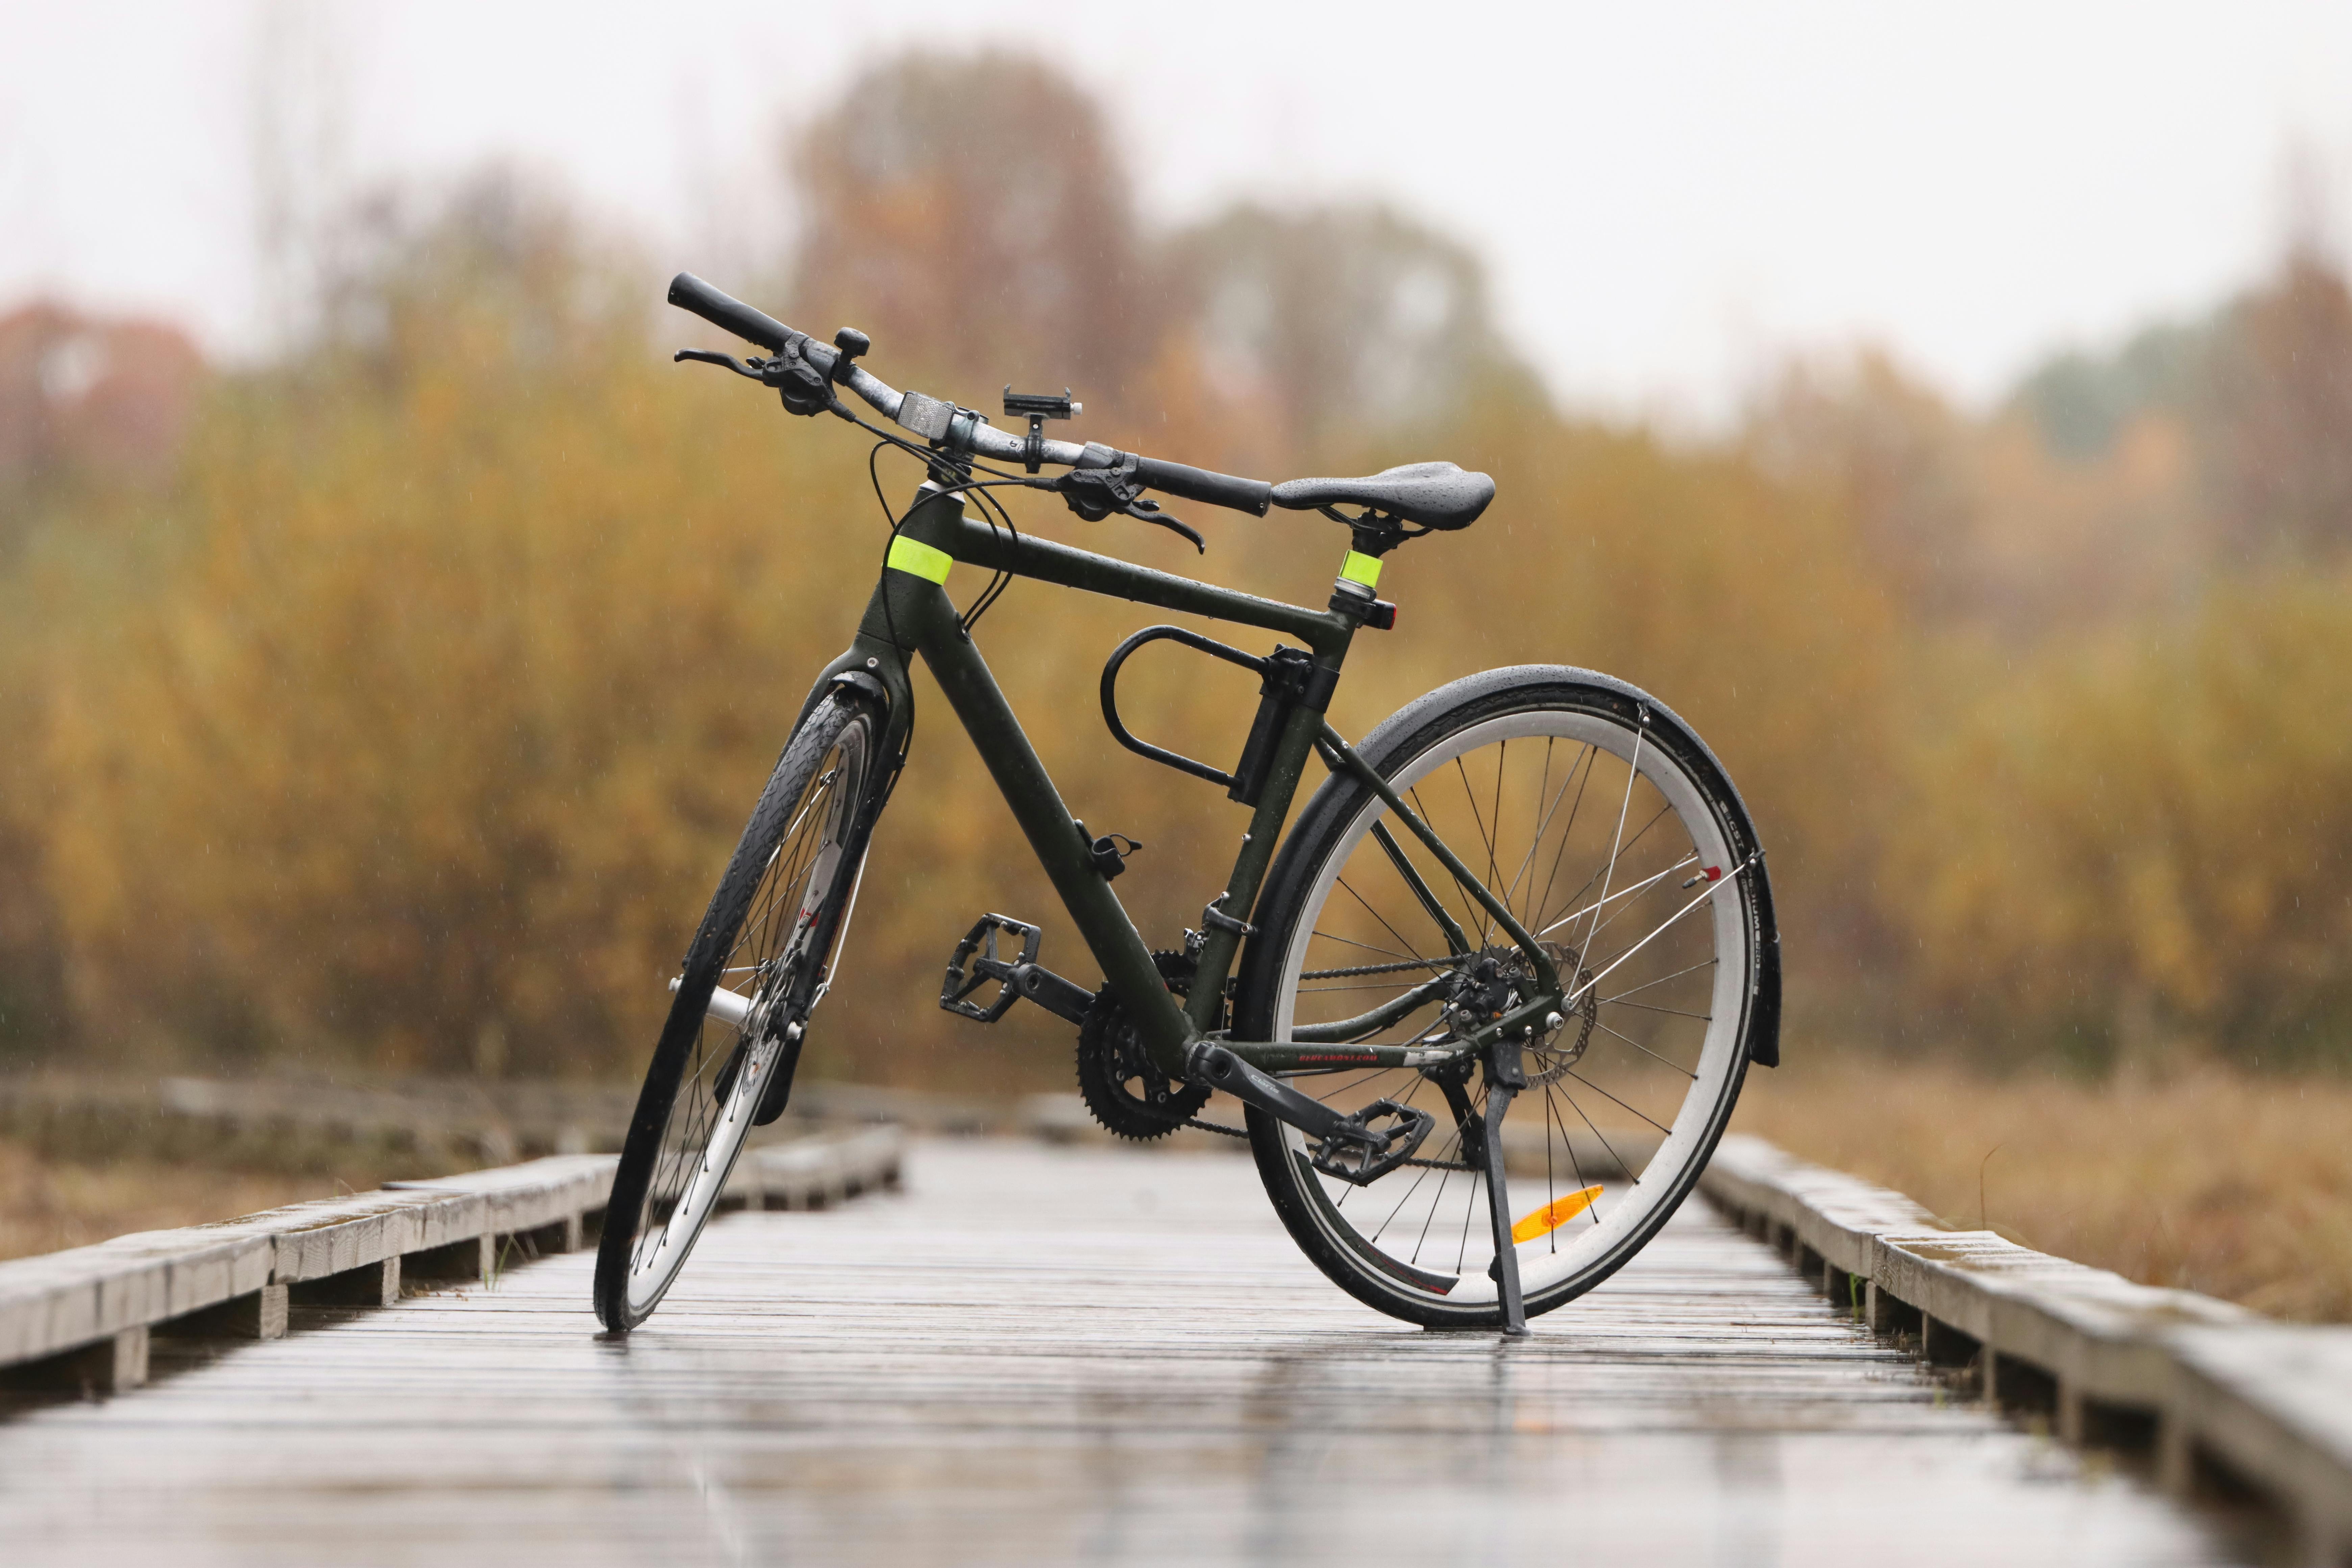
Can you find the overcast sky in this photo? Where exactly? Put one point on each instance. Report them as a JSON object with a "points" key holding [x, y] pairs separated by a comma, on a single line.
{"points": [[1672, 196]]}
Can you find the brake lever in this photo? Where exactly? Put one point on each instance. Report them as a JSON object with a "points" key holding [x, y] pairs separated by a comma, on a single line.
{"points": [[1149, 512], [805, 389], [712, 356], [1095, 493]]}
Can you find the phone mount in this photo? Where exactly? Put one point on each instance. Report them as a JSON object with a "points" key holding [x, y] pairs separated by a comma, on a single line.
{"points": [[1037, 407]]}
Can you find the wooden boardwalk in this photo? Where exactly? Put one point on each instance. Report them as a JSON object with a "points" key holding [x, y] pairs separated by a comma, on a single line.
{"points": [[1037, 1355]]}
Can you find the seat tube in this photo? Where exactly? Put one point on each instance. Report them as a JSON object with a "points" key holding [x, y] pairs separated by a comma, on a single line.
{"points": [[1221, 943]]}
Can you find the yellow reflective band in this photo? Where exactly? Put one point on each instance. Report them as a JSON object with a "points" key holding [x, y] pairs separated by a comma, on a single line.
{"points": [[1364, 569], [919, 559], [1554, 1215]]}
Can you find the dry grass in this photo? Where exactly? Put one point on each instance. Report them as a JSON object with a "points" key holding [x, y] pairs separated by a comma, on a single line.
{"points": [[47, 1204], [2233, 1184]]}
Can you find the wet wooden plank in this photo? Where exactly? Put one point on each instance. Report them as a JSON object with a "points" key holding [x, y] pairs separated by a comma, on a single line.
{"points": [[1042, 1355], [2198, 1385], [2269, 1403], [58, 1305]]}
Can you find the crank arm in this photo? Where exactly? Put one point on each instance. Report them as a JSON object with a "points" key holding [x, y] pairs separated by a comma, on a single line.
{"points": [[1211, 1064], [1352, 1148], [1063, 998]]}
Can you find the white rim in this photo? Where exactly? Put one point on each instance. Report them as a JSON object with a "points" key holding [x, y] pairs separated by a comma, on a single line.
{"points": [[1624, 1209], [652, 1264]]}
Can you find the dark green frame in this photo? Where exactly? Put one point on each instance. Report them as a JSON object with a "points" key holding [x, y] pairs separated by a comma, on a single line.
{"points": [[910, 613]]}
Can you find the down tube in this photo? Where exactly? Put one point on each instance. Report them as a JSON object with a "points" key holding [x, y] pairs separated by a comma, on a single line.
{"points": [[954, 661]]}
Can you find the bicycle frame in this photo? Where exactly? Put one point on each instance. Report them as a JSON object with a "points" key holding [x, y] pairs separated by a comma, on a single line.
{"points": [[910, 613]]}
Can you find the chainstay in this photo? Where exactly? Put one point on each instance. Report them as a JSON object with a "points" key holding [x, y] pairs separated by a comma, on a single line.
{"points": [[1199, 1126]]}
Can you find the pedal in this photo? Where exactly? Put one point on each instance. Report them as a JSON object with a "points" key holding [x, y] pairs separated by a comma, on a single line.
{"points": [[1362, 1151], [1016, 978]]}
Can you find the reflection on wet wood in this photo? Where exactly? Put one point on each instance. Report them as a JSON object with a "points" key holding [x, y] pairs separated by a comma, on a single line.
{"points": [[1040, 1355]]}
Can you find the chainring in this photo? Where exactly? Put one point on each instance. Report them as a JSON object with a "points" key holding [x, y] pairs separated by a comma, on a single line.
{"points": [[1123, 1089]]}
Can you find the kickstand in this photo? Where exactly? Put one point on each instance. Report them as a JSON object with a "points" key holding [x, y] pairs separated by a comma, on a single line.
{"points": [[1498, 1203]]}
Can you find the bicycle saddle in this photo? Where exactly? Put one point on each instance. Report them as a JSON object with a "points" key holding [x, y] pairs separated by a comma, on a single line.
{"points": [[1435, 495]]}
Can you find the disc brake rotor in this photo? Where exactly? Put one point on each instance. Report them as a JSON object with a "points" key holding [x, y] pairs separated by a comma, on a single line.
{"points": [[1552, 1053]]}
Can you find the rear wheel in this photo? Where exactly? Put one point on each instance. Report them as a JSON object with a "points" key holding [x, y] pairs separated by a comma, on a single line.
{"points": [[1614, 837], [757, 968]]}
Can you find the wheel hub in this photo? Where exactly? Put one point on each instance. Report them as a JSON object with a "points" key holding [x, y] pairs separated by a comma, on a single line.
{"points": [[1499, 978]]}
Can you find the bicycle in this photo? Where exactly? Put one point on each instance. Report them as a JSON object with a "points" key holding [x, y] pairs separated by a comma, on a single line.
{"points": [[1619, 967]]}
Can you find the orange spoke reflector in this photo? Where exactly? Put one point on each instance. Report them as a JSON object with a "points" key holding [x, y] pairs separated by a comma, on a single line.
{"points": [[1554, 1215]]}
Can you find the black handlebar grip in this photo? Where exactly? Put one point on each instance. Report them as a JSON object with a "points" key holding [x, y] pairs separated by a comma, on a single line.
{"points": [[1252, 496], [688, 292]]}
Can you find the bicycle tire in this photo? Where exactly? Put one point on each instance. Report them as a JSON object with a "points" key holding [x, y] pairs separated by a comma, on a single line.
{"points": [[711, 1082], [1449, 755]]}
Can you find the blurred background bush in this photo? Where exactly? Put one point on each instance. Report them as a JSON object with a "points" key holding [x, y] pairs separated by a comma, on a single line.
{"points": [[390, 704]]}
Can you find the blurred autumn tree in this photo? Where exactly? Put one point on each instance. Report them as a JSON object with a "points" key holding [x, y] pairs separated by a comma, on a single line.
{"points": [[2276, 423], [404, 721], [1346, 324], [972, 215], [92, 416], [2261, 392], [2126, 788], [2138, 840], [81, 398], [464, 665]]}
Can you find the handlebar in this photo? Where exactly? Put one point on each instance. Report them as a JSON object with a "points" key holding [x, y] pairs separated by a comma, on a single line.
{"points": [[1252, 496], [688, 292], [959, 429]]}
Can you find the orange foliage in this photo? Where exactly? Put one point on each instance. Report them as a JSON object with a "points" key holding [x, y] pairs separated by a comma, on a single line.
{"points": [[411, 726]]}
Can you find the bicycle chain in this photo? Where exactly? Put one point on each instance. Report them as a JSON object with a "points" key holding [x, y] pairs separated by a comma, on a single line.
{"points": [[1376, 969], [1174, 961]]}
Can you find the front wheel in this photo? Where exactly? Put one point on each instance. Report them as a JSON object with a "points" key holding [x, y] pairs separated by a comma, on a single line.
{"points": [[1614, 837], [757, 968]]}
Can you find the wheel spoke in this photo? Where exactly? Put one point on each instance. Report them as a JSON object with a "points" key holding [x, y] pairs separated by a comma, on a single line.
{"points": [[1609, 867], [1620, 893], [799, 881], [1637, 1053], [1713, 888], [1568, 834], [1615, 1101], [1382, 918], [1644, 1006], [1601, 1137], [1661, 980], [1647, 1052], [1630, 845], [1351, 941]]}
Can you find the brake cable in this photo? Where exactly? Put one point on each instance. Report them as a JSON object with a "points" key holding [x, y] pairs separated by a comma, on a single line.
{"points": [[1092, 493], [991, 508]]}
